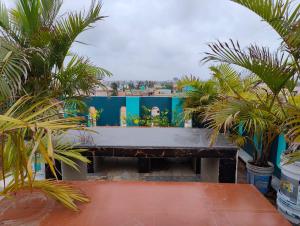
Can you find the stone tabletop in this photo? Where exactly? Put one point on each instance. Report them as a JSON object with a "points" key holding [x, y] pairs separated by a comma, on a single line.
{"points": [[136, 137]]}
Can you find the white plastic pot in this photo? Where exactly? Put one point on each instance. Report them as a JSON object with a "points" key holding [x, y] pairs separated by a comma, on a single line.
{"points": [[288, 196], [260, 177]]}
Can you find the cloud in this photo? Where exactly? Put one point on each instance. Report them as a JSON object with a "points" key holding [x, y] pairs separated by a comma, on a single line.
{"points": [[158, 40]]}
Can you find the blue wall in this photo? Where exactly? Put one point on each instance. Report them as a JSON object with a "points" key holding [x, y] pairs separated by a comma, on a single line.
{"points": [[278, 147], [163, 103], [111, 107], [177, 111], [132, 109]]}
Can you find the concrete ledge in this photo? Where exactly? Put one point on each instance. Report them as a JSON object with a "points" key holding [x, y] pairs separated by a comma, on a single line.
{"points": [[244, 156]]}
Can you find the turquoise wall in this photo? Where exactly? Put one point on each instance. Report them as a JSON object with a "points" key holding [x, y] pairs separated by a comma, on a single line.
{"points": [[279, 146], [111, 107], [177, 112], [163, 103], [132, 109]]}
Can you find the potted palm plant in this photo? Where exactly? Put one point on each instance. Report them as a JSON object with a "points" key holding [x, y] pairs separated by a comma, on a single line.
{"points": [[201, 94], [246, 112], [263, 115], [35, 42], [28, 128]]}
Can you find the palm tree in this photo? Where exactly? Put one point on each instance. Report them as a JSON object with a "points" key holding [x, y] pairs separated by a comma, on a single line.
{"points": [[114, 87], [201, 94], [33, 48], [27, 128], [36, 24], [242, 111], [278, 72]]}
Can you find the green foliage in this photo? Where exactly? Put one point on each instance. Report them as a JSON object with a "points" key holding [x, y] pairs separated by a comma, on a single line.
{"points": [[31, 127], [34, 59], [196, 100], [35, 27], [13, 69], [188, 81], [147, 120], [261, 105], [273, 69], [79, 77]]}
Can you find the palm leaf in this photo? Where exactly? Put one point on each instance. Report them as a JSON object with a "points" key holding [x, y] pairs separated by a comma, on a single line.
{"points": [[273, 69], [68, 28], [79, 77], [280, 14], [13, 69]]}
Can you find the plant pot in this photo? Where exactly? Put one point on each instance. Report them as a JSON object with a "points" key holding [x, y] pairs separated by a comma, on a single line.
{"points": [[288, 196], [260, 177], [25, 208]]}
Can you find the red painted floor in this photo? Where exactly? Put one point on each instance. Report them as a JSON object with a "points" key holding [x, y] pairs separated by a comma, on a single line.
{"points": [[168, 204], [164, 204]]}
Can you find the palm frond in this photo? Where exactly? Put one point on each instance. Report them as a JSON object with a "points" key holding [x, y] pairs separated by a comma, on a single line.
{"points": [[27, 129], [293, 126], [13, 69], [79, 77], [273, 69], [4, 17], [26, 17], [280, 14], [68, 28], [229, 81], [50, 10], [62, 192], [190, 80]]}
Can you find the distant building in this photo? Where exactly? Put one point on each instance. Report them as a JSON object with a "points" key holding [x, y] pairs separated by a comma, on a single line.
{"points": [[157, 86], [101, 91], [122, 93], [163, 92]]}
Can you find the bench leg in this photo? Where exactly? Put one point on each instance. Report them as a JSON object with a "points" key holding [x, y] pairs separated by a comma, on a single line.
{"points": [[144, 165], [227, 170], [69, 173], [98, 162], [196, 165], [210, 170], [90, 166]]}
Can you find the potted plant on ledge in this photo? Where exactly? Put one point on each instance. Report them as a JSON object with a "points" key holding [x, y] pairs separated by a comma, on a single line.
{"points": [[247, 113]]}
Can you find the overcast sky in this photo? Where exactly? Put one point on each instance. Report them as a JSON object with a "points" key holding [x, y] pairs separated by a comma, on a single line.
{"points": [[162, 39]]}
